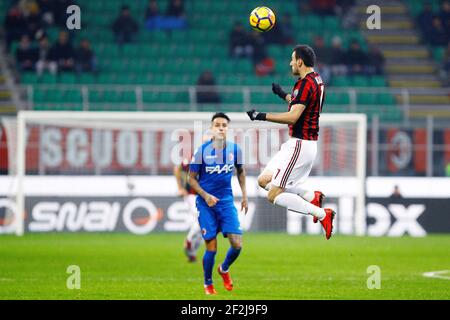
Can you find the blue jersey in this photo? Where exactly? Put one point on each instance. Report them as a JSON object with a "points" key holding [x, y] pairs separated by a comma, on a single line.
{"points": [[215, 168]]}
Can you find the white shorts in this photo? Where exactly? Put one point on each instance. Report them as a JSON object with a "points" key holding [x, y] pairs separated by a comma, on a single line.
{"points": [[292, 164]]}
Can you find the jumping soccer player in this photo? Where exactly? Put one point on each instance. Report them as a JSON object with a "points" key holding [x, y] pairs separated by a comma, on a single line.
{"points": [[290, 167], [211, 170], [194, 236]]}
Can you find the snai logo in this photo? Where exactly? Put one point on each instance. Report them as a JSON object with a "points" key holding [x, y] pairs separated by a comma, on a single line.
{"points": [[217, 169]]}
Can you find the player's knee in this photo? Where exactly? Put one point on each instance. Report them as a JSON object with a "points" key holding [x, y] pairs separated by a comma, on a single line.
{"points": [[211, 245], [237, 245], [236, 242], [263, 181]]}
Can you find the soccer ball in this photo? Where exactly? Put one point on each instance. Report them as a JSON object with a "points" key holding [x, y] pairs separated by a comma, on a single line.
{"points": [[262, 19]]}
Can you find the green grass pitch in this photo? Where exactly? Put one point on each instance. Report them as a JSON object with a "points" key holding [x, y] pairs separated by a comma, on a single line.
{"points": [[271, 266]]}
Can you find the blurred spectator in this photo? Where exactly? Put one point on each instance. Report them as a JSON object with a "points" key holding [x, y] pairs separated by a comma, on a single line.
{"points": [[175, 8], [375, 64], [48, 9], [208, 94], [396, 193], [323, 53], [26, 56], [349, 14], [85, 57], [15, 25], [287, 29], [125, 26], [259, 47], [152, 10], [282, 33], [425, 18], [444, 14], [264, 65], [343, 6], [323, 56], [274, 36], [438, 36], [59, 14], [33, 18], [323, 7], [174, 19], [46, 60], [240, 43], [63, 53], [356, 59], [338, 59]]}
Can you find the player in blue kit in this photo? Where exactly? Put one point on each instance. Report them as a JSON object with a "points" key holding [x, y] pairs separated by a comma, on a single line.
{"points": [[211, 170]]}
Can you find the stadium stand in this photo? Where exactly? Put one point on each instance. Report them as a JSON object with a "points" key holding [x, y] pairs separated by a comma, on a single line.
{"points": [[171, 54]]}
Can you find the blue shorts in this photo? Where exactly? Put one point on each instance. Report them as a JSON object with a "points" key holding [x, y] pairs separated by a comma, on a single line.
{"points": [[223, 217]]}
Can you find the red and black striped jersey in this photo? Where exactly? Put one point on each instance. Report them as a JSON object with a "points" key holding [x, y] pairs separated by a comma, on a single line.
{"points": [[310, 92]]}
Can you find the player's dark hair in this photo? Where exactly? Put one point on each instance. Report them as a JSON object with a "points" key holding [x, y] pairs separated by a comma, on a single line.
{"points": [[220, 115], [306, 53]]}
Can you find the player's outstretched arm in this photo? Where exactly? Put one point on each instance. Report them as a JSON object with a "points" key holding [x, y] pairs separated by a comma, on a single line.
{"points": [[193, 182], [289, 117], [241, 179]]}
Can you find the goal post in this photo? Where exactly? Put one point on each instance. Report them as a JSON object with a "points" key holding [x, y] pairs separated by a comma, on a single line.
{"points": [[341, 152]]}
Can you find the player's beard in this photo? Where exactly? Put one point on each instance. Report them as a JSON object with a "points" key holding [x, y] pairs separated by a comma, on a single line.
{"points": [[295, 72]]}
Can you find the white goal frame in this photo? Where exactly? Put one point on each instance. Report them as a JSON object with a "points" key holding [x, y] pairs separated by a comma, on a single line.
{"points": [[35, 116]]}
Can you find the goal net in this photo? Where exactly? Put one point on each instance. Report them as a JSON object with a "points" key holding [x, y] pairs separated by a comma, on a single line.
{"points": [[113, 171]]}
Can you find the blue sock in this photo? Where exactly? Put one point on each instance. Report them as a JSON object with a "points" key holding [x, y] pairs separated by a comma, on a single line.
{"points": [[208, 265], [232, 255]]}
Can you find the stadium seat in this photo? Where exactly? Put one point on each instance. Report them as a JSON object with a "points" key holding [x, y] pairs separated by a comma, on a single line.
{"points": [[73, 96], [67, 78], [360, 81], [386, 99], [29, 78], [48, 78], [86, 78], [366, 98], [232, 97], [378, 81], [331, 23], [265, 98], [341, 81]]}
